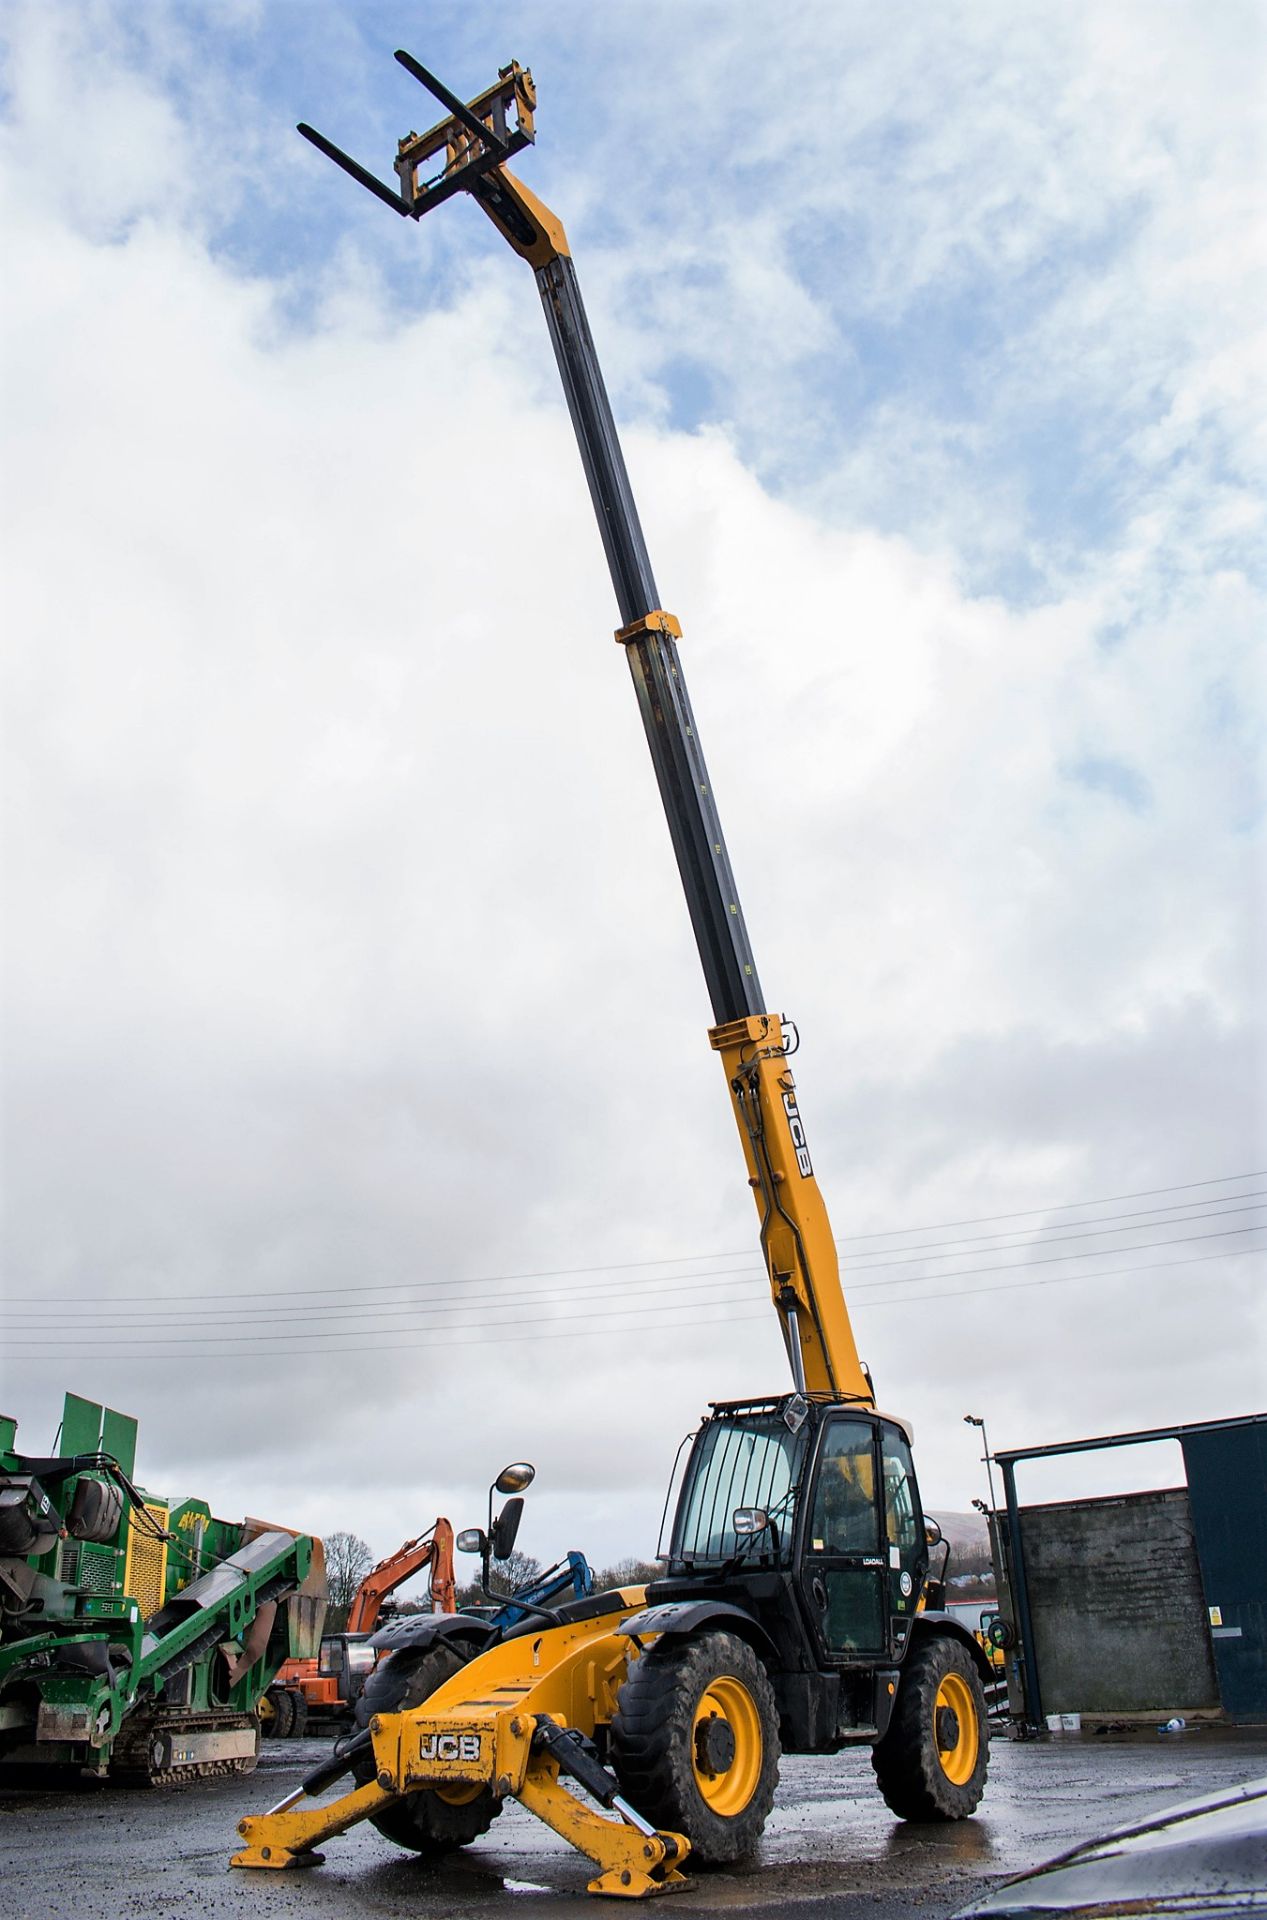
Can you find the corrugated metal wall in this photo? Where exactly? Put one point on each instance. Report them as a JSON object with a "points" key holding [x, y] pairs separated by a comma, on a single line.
{"points": [[1227, 1485]]}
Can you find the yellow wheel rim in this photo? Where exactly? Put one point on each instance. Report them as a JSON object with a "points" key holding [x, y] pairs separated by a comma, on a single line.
{"points": [[727, 1781], [955, 1729]]}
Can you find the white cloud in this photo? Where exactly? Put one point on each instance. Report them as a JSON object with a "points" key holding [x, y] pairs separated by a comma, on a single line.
{"points": [[346, 945]]}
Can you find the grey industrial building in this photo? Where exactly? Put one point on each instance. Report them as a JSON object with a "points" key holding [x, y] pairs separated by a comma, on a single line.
{"points": [[1141, 1604]]}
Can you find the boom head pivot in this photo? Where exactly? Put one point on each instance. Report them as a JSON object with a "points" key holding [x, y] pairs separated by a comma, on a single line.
{"points": [[477, 136]]}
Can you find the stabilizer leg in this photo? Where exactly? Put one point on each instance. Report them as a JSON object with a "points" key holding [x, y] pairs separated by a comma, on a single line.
{"points": [[635, 1865], [286, 1835]]}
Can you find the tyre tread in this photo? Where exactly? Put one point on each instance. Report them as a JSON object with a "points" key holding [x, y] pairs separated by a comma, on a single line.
{"points": [[421, 1822], [910, 1776], [651, 1742]]}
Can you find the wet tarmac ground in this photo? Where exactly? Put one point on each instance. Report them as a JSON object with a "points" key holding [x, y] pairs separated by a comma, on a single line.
{"points": [[831, 1847]]}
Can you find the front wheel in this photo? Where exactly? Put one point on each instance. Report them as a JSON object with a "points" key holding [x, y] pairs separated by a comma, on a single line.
{"points": [[932, 1761], [695, 1743], [434, 1819]]}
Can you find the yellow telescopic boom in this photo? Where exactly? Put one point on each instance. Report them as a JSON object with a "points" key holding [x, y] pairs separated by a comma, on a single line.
{"points": [[473, 145]]}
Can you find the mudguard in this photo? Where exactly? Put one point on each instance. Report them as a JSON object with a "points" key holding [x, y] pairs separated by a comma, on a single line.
{"points": [[676, 1618], [945, 1624], [420, 1629]]}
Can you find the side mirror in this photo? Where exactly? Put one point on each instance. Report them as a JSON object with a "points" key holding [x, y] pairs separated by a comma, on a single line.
{"points": [[505, 1530], [749, 1520], [932, 1531], [471, 1540], [516, 1478]]}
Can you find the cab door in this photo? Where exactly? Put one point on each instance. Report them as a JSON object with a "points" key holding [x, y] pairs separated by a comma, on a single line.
{"points": [[844, 1562], [905, 1544]]}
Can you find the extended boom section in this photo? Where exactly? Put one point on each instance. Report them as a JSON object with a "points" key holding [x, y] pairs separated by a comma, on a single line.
{"points": [[795, 1235]]}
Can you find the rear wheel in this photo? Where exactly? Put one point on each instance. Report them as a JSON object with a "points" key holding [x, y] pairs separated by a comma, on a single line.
{"points": [[931, 1763], [435, 1819], [695, 1743], [283, 1704], [299, 1723]]}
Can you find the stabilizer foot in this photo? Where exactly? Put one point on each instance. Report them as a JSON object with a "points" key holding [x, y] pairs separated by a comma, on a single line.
{"points": [[275, 1858], [629, 1883]]}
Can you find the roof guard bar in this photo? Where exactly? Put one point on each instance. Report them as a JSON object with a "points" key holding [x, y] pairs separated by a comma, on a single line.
{"points": [[477, 136]]}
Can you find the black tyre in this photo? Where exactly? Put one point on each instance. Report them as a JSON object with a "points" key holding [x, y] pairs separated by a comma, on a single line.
{"points": [[282, 1702], [932, 1761], [299, 1722], [695, 1743], [433, 1820]]}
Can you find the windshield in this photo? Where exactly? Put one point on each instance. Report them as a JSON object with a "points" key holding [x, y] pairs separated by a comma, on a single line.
{"points": [[748, 1462]]}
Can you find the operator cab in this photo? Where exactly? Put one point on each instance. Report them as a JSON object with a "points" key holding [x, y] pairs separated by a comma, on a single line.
{"points": [[818, 1496], [348, 1659]]}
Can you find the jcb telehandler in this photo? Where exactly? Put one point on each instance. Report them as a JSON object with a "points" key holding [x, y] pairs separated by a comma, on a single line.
{"points": [[795, 1608]]}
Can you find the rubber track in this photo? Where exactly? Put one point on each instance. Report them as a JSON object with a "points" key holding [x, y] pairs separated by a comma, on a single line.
{"points": [[129, 1758]]}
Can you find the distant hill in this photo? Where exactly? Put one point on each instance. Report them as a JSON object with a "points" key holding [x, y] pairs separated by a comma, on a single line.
{"points": [[963, 1530]]}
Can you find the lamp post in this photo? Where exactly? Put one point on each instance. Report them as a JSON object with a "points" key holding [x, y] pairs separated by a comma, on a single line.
{"points": [[973, 1420]]}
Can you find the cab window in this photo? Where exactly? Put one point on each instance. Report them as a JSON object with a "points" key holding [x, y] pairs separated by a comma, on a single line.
{"points": [[902, 1521], [844, 1518]]}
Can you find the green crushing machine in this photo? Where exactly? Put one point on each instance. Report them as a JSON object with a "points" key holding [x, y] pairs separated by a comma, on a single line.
{"points": [[138, 1633]]}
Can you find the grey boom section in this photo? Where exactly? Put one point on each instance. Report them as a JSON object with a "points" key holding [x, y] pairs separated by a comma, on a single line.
{"points": [[712, 897]]}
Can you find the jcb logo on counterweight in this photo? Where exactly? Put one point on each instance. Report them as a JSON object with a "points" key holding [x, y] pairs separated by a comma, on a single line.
{"points": [[449, 1746], [797, 1131]]}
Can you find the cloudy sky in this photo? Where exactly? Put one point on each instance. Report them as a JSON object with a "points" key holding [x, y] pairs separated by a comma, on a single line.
{"points": [[360, 1126]]}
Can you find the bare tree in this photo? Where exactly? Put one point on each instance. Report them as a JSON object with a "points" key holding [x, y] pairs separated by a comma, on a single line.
{"points": [[509, 1575], [348, 1560], [505, 1577], [627, 1573]]}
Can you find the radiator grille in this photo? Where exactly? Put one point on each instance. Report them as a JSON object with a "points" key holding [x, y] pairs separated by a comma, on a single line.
{"points": [[96, 1569], [146, 1570]]}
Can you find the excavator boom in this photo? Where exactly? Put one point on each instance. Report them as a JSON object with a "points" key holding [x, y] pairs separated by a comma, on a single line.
{"points": [[434, 1549]]}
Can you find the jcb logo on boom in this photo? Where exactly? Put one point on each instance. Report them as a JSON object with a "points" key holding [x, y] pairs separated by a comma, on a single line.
{"points": [[797, 1131], [463, 1747]]}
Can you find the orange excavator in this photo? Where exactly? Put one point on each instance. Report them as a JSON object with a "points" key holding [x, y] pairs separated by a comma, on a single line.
{"points": [[328, 1687]]}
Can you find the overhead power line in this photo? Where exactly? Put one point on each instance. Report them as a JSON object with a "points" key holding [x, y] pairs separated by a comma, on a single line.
{"points": [[1067, 1206], [238, 1354], [599, 1293], [605, 1315], [937, 1250], [960, 1249]]}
